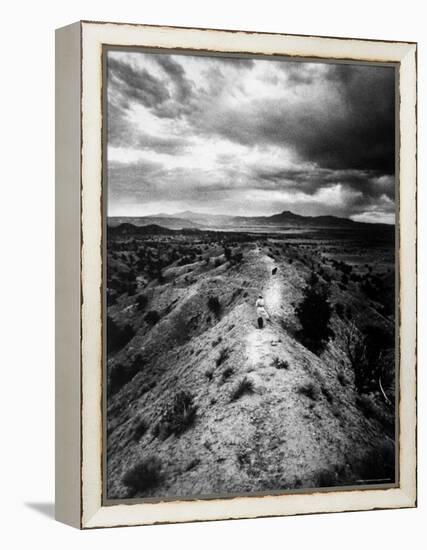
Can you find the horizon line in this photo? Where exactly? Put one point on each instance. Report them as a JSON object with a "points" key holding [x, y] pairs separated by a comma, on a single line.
{"points": [[241, 216]]}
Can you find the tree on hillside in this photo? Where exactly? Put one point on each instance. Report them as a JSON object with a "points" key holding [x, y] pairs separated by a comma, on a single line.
{"points": [[367, 350], [314, 314]]}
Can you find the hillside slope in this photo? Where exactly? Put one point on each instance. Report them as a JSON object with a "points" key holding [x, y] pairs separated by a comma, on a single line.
{"points": [[266, 413]]}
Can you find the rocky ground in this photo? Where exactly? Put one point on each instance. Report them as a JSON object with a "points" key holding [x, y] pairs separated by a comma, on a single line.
{"points": [[257, 411]]}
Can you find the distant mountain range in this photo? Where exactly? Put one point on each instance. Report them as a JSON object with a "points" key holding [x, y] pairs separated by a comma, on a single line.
{"points": [[284, 220]]}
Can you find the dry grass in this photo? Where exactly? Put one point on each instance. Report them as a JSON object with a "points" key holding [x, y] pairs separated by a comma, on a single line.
{"points": [[245, 386], [222, 356], [178, 416]]}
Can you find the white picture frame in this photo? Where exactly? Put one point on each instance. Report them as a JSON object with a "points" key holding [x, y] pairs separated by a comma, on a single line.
{"points": [[79, 272]]}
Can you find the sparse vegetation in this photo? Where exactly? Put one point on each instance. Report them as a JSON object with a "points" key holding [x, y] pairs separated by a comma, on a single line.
{"points": [[223, 356], [140, 426], [327, 394], [280, 363], [118, 336], [227, 372], [121, 373], [217, 341], [202, 286], [314, 313], [214, 305], [178, 415], [342, 379], [308, 390], [366, 351], [243, 387], [145, 475]]}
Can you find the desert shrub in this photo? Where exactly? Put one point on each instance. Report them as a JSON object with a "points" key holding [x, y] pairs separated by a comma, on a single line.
{"points": [[141, 301], [245, 386], [140, 426], [179, 414], [214, 305], [217, 341], [227, 372], [280, 363], [327, 394], [223, 356], [120, 374], [209, 373], [309, 390], [342, 379], [146, 474], [117, 336], [152, 317], [314, 314]]}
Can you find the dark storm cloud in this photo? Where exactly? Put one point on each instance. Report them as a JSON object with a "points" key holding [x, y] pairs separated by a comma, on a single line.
{"points": [[176, 73], [365, 182], [320, 134], [133, 84], [165, 97], [353, 128], [368, 131]]}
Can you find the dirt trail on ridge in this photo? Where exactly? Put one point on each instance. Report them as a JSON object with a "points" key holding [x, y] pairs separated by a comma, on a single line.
{"points": [[297, 425], [260, 342]]}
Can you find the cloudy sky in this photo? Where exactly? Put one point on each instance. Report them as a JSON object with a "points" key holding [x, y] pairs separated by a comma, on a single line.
{"points": [[249, 137]]}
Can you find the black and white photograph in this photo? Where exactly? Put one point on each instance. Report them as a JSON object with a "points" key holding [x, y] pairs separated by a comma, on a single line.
{"points": [[249, 275]]}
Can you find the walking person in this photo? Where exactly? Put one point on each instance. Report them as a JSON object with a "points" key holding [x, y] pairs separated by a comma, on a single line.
{"points": [[261, 311]]}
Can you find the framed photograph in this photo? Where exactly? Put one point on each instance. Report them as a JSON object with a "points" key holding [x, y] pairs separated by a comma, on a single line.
{"points": [[236, 274]]}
